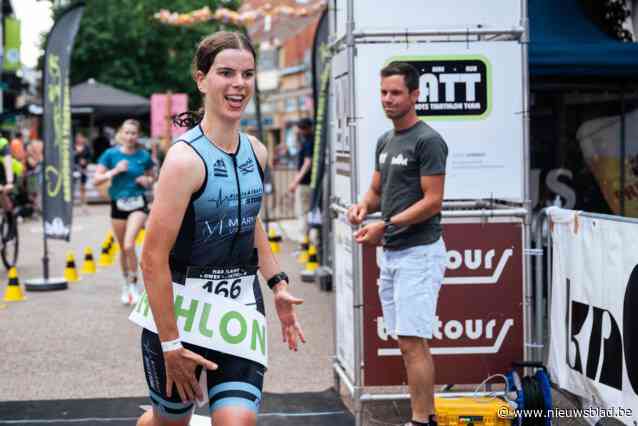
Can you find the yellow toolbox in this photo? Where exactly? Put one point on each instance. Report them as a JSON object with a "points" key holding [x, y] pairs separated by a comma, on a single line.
{"points": [[473, 411]]}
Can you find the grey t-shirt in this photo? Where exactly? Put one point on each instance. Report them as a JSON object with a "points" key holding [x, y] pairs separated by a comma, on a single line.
{"points": [[402, 157]]}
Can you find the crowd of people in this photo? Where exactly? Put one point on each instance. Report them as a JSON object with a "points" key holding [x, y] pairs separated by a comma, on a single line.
{"points": [[20, 174]]}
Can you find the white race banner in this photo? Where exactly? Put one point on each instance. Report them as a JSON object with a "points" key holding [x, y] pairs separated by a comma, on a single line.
{"points": [[594, 310], [212, 321]]}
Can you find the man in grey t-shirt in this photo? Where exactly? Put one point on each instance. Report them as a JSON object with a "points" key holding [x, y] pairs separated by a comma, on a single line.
{"points": [[407, 186]]}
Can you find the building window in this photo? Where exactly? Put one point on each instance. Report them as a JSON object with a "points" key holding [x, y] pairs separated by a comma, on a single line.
{"points": [[291, 105], [291, 141], [268, 59]]}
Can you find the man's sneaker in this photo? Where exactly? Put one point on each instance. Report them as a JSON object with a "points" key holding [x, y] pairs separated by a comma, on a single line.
{"points": [[134, 293], [125, 296]]}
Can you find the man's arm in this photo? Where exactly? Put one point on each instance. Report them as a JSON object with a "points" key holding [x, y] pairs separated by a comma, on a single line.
{"points": [[418, 212], [372, 197], [425, 208], [305, 168], [370, 203]]}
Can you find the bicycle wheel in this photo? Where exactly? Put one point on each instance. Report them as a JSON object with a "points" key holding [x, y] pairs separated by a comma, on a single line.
{"points": [[9, 236]]}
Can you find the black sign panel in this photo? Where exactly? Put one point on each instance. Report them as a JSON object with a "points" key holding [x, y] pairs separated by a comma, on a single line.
{"points": [[453, 87]]}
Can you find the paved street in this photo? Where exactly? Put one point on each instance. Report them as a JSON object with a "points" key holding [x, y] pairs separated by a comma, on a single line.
{"points": [[78, 343]]}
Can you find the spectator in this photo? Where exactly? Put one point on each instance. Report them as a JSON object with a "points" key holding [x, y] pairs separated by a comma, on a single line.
{"points": [[300, 185], [82, 159]]}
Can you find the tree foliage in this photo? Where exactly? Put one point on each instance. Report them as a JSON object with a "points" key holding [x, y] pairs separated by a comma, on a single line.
{"points": [[610, 15], [120, 43]]}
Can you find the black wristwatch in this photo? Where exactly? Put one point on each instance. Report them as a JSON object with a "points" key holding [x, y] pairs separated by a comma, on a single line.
{"points": [[277, 278], [386, 222]]}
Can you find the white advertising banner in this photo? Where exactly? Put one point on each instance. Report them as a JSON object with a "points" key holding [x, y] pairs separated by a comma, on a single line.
{"points": [[594, 311], [419, 14], [343, 280], [472, 94]]}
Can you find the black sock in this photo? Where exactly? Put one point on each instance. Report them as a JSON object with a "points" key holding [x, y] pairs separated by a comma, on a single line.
{"points": [[432, 420], [415, 423]]}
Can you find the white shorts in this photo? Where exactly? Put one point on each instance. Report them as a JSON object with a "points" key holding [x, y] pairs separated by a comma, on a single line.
{"points": [[409, 288]]}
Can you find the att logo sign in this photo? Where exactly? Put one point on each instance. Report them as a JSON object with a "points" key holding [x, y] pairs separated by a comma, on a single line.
{"points": [[595, 344], [458, 86]]}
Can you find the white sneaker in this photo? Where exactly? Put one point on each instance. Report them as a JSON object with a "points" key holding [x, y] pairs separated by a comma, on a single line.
{"points": [[134, 293], [125, 296]]}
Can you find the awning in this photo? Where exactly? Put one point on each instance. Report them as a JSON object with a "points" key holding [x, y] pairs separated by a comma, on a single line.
{"points": [[564, 42], [107, 101]]}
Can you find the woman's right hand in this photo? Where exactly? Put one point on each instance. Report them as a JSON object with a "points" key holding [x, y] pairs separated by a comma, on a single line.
{"points": [[180, 370], [121, 166]]}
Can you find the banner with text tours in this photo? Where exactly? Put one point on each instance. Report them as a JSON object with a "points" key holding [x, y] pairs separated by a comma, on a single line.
{"points": [[58, 151]]}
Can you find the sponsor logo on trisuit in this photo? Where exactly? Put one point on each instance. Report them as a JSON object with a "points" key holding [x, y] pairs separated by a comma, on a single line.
{"points": [[219, 169], [247, 166]]}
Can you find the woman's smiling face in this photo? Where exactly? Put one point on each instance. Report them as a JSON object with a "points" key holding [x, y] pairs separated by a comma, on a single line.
{"points": [[229, 83]]}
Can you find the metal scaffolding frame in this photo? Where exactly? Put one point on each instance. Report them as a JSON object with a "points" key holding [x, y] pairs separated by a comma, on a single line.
{"points": [[480, 209]]}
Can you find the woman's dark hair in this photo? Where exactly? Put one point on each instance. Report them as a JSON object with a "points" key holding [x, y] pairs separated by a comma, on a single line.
{"points": [[409, 73], [205, 55]]}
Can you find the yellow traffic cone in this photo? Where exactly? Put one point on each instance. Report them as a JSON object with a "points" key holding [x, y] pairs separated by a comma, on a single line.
{"points": [[109, 238], [274, 240], [313, 262], [70, 271], [105, 259], [88, 267], [139, 240], [303, 254], [308, 274], [13, 293], [115, 249], [109, 241]]}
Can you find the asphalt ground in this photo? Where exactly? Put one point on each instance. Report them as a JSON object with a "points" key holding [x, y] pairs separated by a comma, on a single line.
{"points": [[78, 344], [306, 408]]}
